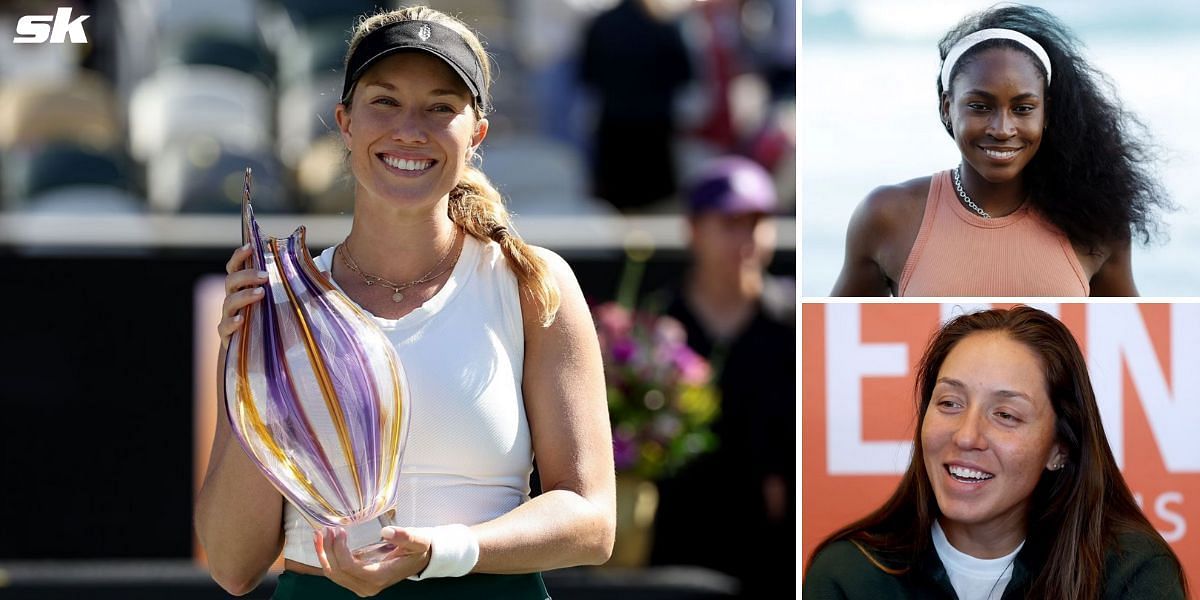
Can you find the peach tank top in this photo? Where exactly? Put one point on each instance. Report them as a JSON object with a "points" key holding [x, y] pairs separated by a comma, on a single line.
{"points": [[959, 253]]}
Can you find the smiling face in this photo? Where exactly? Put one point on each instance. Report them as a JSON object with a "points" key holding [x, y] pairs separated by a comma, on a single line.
{"points": [[987, 436], [410, 128], [997, 110]]}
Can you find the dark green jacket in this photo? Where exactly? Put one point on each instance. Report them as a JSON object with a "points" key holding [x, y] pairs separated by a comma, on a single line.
{"points": [[1139, 570]]}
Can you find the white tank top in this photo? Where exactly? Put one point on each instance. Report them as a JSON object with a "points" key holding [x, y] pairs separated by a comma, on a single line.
{"points": [[468, 456]]}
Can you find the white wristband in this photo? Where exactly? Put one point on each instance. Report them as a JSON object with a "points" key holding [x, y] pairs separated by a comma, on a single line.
{"points": [[453, 551]]}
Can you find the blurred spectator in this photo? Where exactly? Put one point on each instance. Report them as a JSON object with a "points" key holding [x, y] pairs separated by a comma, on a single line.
{"points": [[635, 61], [743, 321], [746, 68], [773, 145], [716, 40], [769, 30], [548, 44], [743, 98]]}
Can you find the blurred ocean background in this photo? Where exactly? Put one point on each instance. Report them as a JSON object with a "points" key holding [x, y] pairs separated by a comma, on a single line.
{"points": [[868, 113]]}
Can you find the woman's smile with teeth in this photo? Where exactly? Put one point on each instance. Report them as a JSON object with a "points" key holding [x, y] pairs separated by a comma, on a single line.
{"points": [[962, 473], [407, 164], [1001, 153]]}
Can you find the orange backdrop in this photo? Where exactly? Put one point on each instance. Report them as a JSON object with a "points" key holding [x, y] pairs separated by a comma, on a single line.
{"points": [[859, 411]]}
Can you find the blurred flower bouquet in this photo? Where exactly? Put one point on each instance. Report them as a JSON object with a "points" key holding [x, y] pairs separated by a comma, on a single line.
{"points": [[661, 399]]}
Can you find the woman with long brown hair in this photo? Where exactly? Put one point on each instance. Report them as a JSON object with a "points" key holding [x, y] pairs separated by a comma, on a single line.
{"points": [[1012, 491]]}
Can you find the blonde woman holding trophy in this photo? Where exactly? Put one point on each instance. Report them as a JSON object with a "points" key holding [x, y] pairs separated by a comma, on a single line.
{"points": [[497, 342]]}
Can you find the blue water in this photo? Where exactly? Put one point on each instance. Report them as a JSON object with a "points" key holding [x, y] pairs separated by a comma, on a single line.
{"points": [[868, 117]]}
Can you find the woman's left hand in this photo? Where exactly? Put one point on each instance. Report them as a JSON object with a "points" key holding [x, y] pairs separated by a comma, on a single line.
{"points": [[410, 557]]}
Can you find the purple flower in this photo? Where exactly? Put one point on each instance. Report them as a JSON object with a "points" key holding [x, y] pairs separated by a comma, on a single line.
{"points": [[614, 320], [625, 450], [669, 331], [650, 370], [693, 369], [666, 427], [624, 351]]}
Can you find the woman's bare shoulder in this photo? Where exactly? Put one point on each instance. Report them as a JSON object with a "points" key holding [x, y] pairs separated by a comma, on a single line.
{"points": [[890, 216], [898, 202], [882, 231]]}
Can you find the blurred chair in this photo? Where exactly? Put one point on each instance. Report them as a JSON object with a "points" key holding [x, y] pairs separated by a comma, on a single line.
{"points": [[310, 84], [313, 51], [323, 179], [148, 28], [86, 200], [538, 176], [176, 18], [305, 113], [303, 13], [179, 102], [200, 175], [222, 50], [81, 110], [34, 172]]}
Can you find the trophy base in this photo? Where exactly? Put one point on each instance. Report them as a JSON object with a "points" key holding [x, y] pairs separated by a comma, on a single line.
{"points": [[373, 553]]}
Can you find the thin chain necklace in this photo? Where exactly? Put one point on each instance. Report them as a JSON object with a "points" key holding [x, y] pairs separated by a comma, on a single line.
{"points": [[1006, 568], [962, 194], [397, 288]]}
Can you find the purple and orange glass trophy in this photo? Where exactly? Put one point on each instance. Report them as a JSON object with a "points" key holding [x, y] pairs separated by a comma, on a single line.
{"points": [[315, 392]]}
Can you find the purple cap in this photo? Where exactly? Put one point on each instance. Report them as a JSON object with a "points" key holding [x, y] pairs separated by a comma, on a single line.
{"points": [[731, 185]]}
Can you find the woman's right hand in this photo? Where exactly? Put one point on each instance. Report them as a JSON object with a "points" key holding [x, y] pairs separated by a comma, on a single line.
{"points": [[243, 287]]}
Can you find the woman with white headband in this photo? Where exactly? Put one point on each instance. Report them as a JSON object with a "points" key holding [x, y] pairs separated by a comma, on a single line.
{"points": [[1012, 491], [495, 336], [1054, 183]]}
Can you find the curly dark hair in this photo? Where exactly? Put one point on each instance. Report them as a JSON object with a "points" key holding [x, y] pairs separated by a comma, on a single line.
{"points": [[1092, 176]]}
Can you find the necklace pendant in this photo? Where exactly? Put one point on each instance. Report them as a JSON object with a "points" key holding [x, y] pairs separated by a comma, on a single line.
{"points": [[397, 297]]}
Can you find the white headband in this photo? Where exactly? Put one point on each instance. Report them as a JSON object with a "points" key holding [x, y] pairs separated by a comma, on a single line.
{"points": [[984, 35]]}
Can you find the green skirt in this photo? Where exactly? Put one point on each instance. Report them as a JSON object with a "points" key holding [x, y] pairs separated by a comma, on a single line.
{"points": [[295, 586]]}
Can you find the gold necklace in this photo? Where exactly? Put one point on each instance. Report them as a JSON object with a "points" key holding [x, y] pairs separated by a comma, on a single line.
{"points": [[397, 295]]}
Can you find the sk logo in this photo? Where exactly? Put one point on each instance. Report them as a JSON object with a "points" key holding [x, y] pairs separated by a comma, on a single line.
{"points": [[37, 29]]}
